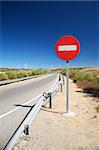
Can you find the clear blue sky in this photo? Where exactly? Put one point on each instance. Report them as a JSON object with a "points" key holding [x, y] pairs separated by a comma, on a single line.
{"points": [[29, 31]]}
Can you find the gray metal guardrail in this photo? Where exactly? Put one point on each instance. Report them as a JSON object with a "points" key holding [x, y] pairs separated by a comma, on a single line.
{"points": [[28, 119]]}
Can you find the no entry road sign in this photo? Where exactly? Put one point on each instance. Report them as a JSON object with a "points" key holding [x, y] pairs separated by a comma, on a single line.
{"points": [[67, 47]]}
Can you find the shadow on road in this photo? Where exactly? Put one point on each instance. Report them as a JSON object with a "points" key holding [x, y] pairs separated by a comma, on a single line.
{"points": [[20, 105]]}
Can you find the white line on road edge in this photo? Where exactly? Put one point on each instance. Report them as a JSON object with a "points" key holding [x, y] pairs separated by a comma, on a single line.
{"points": [[67, 48], [29, 118], [13, 110]]}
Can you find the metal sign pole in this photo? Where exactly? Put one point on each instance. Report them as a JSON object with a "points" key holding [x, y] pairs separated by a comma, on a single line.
{"points": [[68, 113], [67, 87], [67, 48]]}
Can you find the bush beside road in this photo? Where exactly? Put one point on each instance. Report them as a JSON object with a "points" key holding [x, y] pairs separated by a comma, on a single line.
{"points": [[88, 81], [9, 75]]}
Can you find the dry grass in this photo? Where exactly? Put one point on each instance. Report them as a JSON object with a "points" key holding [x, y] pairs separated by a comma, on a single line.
{"points": [[86, 79], [94, 70], [97, 108], [97, 100], [89, 87]]}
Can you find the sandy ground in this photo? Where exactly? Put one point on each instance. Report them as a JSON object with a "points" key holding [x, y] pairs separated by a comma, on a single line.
{"points": [[52, 131]]}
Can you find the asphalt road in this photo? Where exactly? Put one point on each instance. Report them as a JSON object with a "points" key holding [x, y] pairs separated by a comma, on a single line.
{"points": [[14, 95]]}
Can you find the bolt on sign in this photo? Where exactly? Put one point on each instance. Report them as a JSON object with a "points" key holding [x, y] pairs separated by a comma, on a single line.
{"points": [[67, 48]]}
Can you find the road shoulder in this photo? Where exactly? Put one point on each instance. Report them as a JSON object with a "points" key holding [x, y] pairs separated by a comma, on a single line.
{"points": [[52, 131]]}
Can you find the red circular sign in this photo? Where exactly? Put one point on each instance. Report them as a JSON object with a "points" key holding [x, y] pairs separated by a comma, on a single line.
{"points": [[67, 47]]}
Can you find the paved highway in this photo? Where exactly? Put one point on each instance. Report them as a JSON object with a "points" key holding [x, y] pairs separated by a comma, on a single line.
{"points": [[18, 94]]}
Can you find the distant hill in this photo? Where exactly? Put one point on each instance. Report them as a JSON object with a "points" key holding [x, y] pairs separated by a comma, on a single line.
{"points": [[94, 70]]}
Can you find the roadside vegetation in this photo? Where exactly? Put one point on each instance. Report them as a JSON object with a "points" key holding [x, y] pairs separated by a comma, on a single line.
{"points": [[56, 69], [88, 81], [8, 74]]}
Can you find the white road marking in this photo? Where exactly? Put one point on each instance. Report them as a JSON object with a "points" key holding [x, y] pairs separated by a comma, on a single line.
{"points": [[29, 101], [13, 110], [67, 48]]}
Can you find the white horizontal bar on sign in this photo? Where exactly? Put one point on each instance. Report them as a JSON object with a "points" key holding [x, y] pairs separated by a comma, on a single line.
{"points": [[67, 48]]}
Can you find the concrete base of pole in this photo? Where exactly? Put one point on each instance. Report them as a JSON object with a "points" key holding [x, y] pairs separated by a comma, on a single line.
{"points": [[69, 114]]}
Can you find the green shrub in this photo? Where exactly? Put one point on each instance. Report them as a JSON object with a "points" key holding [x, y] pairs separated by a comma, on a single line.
{"points": [[33, 73], [3, 76], [64, 72], [11, 75], [89, 82], [90, 77], [29, 73], [78, 77], [38, 72], [97, 80], [22, 74]]}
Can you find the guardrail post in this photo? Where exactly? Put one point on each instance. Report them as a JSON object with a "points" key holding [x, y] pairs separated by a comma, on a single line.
{"points": [[26, 130], [63, 80], [59, 78], [61, 87], [50, 100]]}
